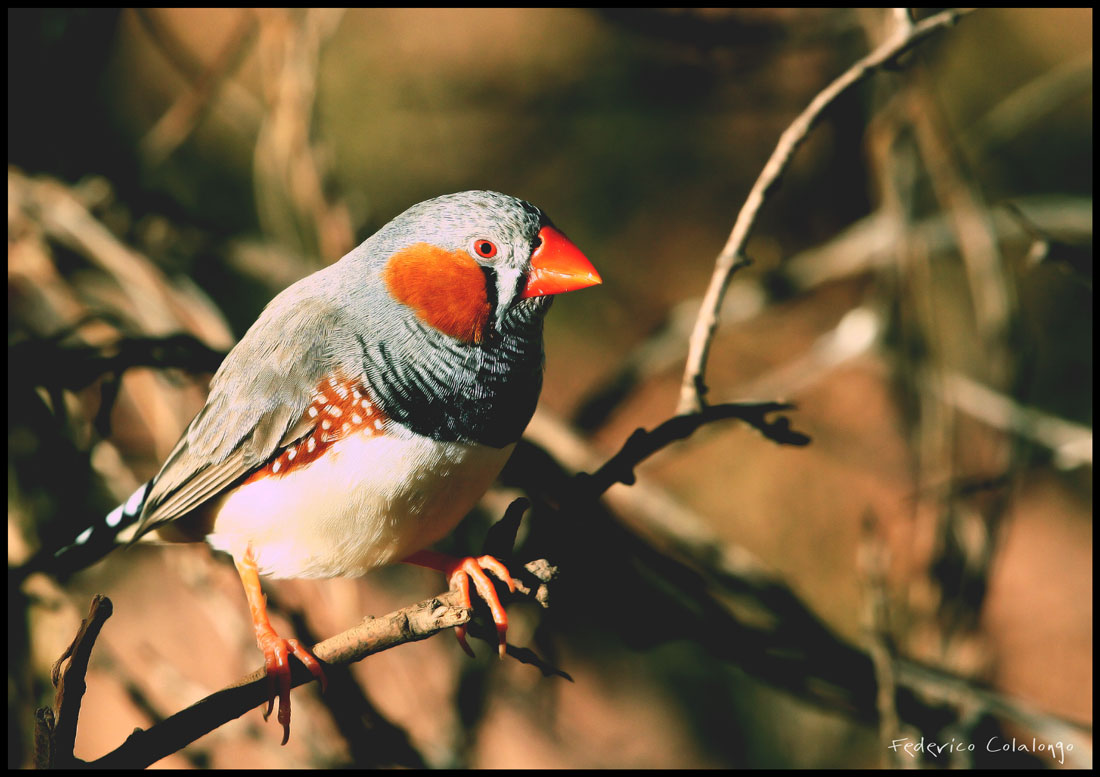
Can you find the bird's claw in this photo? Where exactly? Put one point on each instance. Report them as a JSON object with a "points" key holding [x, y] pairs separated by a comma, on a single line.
{"points": [[277, 664], [460, 573]]}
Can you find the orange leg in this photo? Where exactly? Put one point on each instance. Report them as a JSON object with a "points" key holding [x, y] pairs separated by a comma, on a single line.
{"points": [[459, 572], [276, 658]]}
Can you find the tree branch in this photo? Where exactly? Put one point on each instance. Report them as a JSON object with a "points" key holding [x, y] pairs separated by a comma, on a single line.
{"points": [[373, 635], [55, 734], [643, 444], [732, 256]]}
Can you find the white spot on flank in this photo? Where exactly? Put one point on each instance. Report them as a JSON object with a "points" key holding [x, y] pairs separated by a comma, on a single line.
{"points": [[326, 424], [343, 392], [313, 412], [345, 428], [334, 410], [291, 454], [275, 467], [356, 419], [377, 423], [355, 394], [366, 405], [83, 536], [311, 444]]}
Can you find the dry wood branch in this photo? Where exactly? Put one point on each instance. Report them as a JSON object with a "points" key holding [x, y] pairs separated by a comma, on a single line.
{"points": [[1030, 104], [1071, 443], [642, 444], [779, 640], [289, 170], [52, 363], [59, 735], [874, 560], [241, 107], [905, 37], [867, 246], [949, 688], [43, 738], [157, 306], [373, 635], [180, 120]]}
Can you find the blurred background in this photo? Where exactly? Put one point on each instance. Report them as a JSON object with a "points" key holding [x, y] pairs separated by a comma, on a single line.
{"points": [[921, 290]]}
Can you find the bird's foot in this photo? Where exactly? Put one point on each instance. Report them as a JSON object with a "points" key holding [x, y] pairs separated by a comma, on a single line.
{"points": [[276, 649], [276, 661], [459, 572]]}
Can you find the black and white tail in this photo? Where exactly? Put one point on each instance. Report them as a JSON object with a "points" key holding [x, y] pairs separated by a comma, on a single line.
{"points": [[94, 542]]}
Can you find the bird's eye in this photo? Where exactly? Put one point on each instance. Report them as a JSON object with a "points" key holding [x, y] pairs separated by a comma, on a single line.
{"points": [[486, 249]]}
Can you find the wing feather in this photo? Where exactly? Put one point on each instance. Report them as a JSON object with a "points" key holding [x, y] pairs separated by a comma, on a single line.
{"points": [[256, 408]]}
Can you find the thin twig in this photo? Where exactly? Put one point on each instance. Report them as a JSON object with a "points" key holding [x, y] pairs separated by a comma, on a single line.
{"points": [[1070, 442], [1062, 224], [693, 387], [158, 306], [180, 120], [239, 105], [289, 170], [873, 561], [643, 444]]}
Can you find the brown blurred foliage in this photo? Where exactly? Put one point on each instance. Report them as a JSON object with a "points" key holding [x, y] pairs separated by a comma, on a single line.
{"points": [[921, 288]]}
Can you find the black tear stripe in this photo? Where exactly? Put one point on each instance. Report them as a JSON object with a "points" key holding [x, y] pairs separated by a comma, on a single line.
{"points": [[492, 295], [453, 392]]}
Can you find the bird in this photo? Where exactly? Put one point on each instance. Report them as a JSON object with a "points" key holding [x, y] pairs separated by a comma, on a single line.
{"points": [[366, 411]]}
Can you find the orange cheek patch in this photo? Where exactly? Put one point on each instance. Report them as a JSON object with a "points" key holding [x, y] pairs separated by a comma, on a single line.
{"points": [[445, 288], [338, 409]]}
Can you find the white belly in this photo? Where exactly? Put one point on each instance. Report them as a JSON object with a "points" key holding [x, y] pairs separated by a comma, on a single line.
{"points": [[366, 502]]}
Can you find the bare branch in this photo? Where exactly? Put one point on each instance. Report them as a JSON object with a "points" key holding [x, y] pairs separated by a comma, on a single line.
{"points": [[180, 120], [70, 684], [409, 624], [905, 37], [1058, 223], [873, 558], [1071, 443], [779, 640], [44, 724], [642, 444]]}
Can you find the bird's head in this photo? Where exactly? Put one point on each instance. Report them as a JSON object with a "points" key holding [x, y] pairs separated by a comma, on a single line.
{"points": [[474, 263]]}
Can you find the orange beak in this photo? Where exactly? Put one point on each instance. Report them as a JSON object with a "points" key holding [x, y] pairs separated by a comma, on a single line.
{"points": [[557, 265]]}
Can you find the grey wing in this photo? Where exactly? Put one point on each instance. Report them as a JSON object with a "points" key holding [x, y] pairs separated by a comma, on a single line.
{"points": [[257, 406]]}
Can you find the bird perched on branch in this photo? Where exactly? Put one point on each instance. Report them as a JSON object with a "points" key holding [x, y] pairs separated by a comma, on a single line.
{"points": [[368, 408]]}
